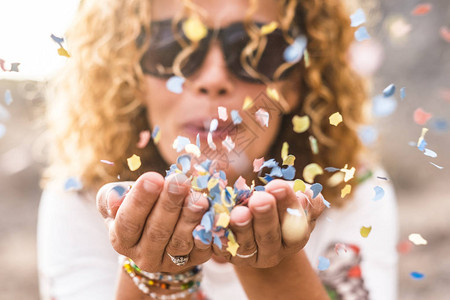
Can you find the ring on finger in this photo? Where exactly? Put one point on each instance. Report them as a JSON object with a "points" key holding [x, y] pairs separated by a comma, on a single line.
{"points": [[179, 260], [247, 255]]}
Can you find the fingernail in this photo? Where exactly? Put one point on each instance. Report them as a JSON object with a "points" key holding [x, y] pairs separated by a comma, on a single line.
{"points": [[263, 208], [120, 190], [149, 186], [176, 184], [195, 207], [243, 223], [279, 193]]}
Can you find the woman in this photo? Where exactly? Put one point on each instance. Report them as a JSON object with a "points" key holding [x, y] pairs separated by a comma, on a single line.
{"points": [[241, 56]]}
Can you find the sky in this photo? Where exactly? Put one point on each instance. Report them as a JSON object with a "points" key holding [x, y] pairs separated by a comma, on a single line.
{"points": [[25, 29]]}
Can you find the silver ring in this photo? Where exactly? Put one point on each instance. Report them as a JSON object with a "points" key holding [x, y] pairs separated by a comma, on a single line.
{"points": [[179, 260], [248, 255]]}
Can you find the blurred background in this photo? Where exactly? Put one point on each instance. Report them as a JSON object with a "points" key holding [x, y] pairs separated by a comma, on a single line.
{"points": [[409, 46]]}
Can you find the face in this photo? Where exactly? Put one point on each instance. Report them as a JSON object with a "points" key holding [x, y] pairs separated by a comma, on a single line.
{"points": [[212, 86]]}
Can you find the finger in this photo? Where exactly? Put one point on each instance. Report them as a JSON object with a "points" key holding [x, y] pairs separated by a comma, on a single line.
{"points": [[294, 224], [110, 196], [266, 225], [133, 213], [163, 218], [182, 241], [315, 205], [242, 227]]}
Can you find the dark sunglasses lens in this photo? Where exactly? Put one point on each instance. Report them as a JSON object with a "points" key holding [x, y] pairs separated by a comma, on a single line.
{"points": [[273, 55]]}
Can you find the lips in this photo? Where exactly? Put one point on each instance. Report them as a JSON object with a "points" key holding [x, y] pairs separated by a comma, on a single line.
{"points": [[201, 127]]}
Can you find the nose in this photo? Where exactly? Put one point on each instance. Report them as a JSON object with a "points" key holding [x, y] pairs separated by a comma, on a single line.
{"points": [[213, 78]]}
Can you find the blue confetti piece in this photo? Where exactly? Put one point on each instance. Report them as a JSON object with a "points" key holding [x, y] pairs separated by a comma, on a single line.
{"points": [[175, 84], [294, 52], [268, 178], [185, 162], [208, 220], [327, 204], [204, 236], [8, 97], [379, 193], [202, 181], [389, 90], [439, 124], [361, 34], [197, 140], [331, 169], [120, 190], [276, 171], [218, 242], [422, 145], [367, 134], [236, 117], [213, 125], [357, 18], [324, 263], [260, 188], [417, 275], [155, 131], [56, 39], [316, 188], [402, 93], [288, 173], [382, 106], [271, 163], [182, 142], [73, 184], [2, 130], [4, 114], [171, 170]]}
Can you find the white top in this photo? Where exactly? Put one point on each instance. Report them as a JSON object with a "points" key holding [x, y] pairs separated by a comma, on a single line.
{"points": [[77, 262]]}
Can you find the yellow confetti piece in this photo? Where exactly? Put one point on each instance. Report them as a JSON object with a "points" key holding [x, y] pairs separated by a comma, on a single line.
{"points": [[365, 231], [349, 173], [299, 185], [422, 136], [346, 190], [193, 149], [417, 239], [224, 220], [273, 94], [212, 183], [269, 28], [301, 124], [335, 119], [306, 58], [289, 160], [232, 244], [134, 162], [157, 137], [313, 144], [194, 29], [335, 179], [219, 208], [248, 102], [63, 52], [263, 180], [311, 171], [284, 150]]}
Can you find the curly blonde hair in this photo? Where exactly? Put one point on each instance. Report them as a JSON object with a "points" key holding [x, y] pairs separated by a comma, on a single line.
{"points": [[95, 109]]}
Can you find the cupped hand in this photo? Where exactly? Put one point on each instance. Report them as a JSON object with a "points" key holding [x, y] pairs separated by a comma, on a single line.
{"points": [[153, 218], [276, 223]]}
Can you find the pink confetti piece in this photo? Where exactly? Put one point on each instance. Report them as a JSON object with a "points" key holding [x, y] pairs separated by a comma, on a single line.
{"points": [[144, 138], [421, 9], [339, 247], [445, 33], [228, 143], [257, 163], [107, 162], [421, 117], [263, 117], [222, 113]]}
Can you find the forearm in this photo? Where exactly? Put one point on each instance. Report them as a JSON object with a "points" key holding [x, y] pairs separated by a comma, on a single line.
{"points": [[293, 278]]}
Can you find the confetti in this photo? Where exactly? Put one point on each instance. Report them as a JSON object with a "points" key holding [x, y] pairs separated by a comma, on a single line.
{"points": [[175, 84], [56, 39], [269, 28], [379, 193], [120, 190], [382, 106], [324, 263], [224, 220], [300, 124], [134, 162], [445, 33], [339, 247], [14, 67], [210, 141], [192, 149], [346, 190], [368, 135], [180, 143], [313, 144], [294, 212], [222, 111], [213, 125], [382, 178], [197, 140], [107, 162], [4, 113], [307, 60], [299, 185], [73, 184], [257, 163], [430, 153], [326, 203], [349, 173], [273, 94], [421, 9], [439, 167], [8, 97], [357, 18], [404, 247], [2, 130], [316, 188], [361, 34], [364, 231], [331, 169], [288, 173], [402, 93], [289, 160], [389, 90], [144, 138], [421, 141], [417, 239], [232, 247], [311, 171], [335, 119], [263, 117], [417, 275], [421, 116], [194, 29], [228, 143], [63, 52], [440, 124], [284, 150], [236, 117], [248, 103], [294, 52]]}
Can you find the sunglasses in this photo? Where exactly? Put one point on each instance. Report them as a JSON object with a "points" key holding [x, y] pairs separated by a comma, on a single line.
{"points": [[168, 40]]}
